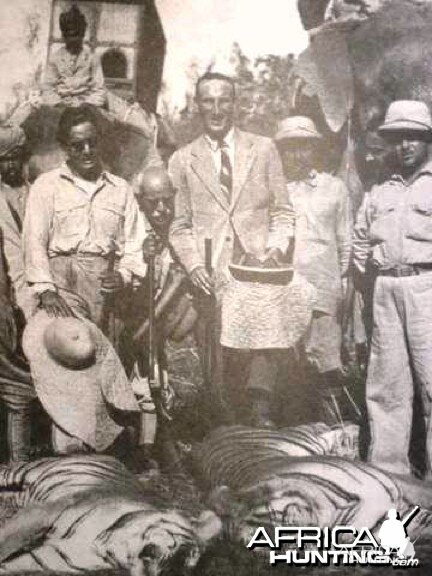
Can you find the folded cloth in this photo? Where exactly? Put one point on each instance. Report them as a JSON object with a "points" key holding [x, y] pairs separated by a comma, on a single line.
{"points": [[259, 316]]}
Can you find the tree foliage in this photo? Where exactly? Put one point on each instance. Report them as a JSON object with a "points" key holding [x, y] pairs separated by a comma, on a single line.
{"points": [[264, 89]]}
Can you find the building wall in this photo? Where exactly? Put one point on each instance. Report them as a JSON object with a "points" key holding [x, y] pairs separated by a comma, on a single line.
{"points": [[24, 30]]}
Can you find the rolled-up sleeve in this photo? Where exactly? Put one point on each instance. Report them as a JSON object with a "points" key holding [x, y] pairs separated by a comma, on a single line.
{"points": [[361, 240], [281, 212], [132, 262], [36, 230]]}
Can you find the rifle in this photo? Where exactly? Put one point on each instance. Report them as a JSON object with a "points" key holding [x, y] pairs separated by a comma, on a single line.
{"points": [[108, 317], [158, 388]]}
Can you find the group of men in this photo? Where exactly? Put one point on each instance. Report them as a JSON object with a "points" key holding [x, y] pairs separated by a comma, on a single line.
{"points": [[76, 243]]}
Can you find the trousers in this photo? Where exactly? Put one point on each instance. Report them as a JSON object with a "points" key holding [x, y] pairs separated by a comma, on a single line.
{"points": [[401, 355]]}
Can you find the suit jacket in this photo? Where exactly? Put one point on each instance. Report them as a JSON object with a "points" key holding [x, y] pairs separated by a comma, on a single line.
{"points": [[257, 217]]}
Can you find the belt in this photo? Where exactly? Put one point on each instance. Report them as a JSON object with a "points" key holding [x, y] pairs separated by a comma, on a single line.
{"points": [[406, 270]]}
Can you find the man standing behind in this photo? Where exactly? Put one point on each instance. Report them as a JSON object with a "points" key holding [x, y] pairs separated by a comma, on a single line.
{"points": [[322, 251], [394, 233], [230, 189], [13, 198], [79, 219]]}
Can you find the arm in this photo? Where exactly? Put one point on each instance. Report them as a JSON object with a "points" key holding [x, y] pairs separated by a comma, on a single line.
{"points": [[37, 224], [361, 241], [343, 229], [97, 90], [182, 235], [281, 221], [132, 261], [50, 93]]}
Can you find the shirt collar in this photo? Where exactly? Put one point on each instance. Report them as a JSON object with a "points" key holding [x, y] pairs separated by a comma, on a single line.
{"points": [[228, 140], [426, 169], [67, 174]]}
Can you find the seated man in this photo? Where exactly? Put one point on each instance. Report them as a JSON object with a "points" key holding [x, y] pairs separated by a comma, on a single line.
{"points": [[74, 75]]}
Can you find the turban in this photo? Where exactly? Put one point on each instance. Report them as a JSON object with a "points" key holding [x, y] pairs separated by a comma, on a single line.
{"points": [[73, 19], [11, 137]]}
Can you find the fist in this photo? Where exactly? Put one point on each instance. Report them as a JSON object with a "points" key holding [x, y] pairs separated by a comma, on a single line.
{"points": [[112, 282], [152, 246], [202, 280]]}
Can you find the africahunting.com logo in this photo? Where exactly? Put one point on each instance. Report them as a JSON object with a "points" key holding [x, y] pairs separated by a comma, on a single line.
{"points": [[341, 545]]}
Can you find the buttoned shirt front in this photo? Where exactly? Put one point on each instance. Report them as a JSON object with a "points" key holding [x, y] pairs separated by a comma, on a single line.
{"points": [[229, 147], [394, 223], [322, 234], [62, 218], [71, 77]]}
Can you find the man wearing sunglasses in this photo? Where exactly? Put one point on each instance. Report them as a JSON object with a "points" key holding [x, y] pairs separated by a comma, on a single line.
{"points": [[83, 231], [393, 234]]}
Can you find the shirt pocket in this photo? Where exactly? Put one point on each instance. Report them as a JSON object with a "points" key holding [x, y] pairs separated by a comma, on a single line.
{"points": [[108, 220], [383, 217], [71, 221], [419, 220]]}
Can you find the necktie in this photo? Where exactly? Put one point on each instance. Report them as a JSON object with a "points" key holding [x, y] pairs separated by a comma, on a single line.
{"points": [[225, 176]]}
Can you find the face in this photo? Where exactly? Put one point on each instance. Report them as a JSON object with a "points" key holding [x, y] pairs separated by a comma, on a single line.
{"points": [[82, 151], [159, 209], [215, 101], [298, 157], [412, 150], [73, 39], [11, 168]]}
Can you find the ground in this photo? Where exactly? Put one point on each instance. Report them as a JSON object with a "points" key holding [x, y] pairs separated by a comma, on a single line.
{"points": [[226, 558]]}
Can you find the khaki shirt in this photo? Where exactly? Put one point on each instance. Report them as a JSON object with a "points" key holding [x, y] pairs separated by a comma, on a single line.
{"points": [[74, 79], [394, 223], [322, 235], [62, 218]]}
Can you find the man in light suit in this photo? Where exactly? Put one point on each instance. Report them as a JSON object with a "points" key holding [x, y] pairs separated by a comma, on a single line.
{"points": [[230, 189]]}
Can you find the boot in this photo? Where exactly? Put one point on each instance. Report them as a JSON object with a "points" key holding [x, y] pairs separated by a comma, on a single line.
{"points": [[261, 410]]}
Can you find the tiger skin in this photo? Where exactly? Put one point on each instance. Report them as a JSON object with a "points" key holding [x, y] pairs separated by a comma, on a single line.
{"points": [[304, 476], [87, 513]]}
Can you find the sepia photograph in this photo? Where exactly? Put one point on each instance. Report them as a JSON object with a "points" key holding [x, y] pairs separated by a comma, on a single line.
{"points": [[215, 287]]}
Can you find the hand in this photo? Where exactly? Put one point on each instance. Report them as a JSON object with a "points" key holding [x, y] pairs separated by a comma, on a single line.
{"points": [[152, 246], [202, 280], [273, 256], [54, 304], [112, 282]]}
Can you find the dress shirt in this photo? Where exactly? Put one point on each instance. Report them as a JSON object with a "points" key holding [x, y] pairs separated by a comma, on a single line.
{"points": [[229, 148], [74, 79], [63, 219], [394, 223]]}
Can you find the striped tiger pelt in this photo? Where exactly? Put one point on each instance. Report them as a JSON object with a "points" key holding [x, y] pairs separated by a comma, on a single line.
{"points": [[291, 478], [84, 514]]}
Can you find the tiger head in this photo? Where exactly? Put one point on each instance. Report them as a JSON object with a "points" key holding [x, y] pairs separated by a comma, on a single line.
{"points": [[154, 543]]}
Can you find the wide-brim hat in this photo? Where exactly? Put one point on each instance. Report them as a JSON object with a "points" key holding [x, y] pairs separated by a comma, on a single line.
{"points": [[82, 402], [297, 127], [406, 116]]}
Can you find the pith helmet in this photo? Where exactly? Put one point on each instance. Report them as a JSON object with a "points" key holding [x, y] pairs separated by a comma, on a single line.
{"points": [[297, 127], [407, 115]]}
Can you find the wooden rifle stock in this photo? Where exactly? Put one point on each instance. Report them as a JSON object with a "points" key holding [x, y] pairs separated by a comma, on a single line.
{"points": [[108, 318]]}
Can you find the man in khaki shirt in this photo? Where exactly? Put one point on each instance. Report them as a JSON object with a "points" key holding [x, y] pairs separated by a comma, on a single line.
{"points": [[322, 252], [393, 234], [78, 218]]}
